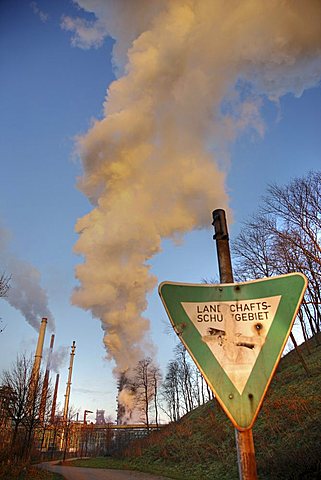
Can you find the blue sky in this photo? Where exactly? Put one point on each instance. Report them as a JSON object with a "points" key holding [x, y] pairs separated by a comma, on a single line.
{"points": [[50, 92]]}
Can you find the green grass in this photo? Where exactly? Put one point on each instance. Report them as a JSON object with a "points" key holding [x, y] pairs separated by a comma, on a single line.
{"points": [[287, 434], [100, 462], [125, 464]]}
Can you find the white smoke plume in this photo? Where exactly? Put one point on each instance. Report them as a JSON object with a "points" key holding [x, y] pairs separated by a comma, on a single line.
{"points": [[25, 293], [192, 75], [127, 398], [59, 358]]}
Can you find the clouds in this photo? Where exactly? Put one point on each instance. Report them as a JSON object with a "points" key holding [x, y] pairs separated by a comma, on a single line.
{"points": [[39, 13], [86, 33], [192, 76], [59, 358]]}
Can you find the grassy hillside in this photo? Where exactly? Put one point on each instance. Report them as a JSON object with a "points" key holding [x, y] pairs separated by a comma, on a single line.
{"points": [[27, 473], [287, 434]]}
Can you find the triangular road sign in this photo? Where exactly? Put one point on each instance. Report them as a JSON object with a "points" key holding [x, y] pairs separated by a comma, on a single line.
{"points": [[236, 334]]}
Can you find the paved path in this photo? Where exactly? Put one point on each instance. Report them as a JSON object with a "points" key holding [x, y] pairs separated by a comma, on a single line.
{"points": [[80, 473]]}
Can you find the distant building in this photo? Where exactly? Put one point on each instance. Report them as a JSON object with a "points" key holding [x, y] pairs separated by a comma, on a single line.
{"points": [[100, 417]]}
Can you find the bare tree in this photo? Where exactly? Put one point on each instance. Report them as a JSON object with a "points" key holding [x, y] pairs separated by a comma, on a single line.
{"points": [[156, 378], [253, 248], [184, 386], [16, 383], [185, 376], [22, 404], [145, 386], [201, 392], [4, 284], [170, 392], [4, 287], [284, 237]]}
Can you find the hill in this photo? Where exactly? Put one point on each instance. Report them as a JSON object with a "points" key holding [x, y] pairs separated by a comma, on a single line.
{"points": [[287, 433]]}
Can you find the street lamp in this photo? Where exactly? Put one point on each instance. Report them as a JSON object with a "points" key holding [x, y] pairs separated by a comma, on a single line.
{"points": [[84, 433], [85, 415]]}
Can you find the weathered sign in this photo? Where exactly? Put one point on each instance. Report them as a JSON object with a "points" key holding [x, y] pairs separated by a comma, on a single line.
{"points": [[236, 334]]}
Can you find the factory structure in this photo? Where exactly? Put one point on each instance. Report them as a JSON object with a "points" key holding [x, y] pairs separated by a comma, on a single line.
{"points": [[62, 434]]}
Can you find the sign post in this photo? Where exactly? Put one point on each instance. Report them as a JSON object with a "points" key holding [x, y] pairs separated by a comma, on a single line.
{"points": [[244, 439], [235, 333]]}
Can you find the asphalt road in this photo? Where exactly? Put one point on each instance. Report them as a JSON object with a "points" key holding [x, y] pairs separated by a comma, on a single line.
{"points": [[79, 473]]}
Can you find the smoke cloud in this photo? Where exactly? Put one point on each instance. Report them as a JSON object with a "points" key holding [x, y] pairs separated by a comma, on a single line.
{"points": [[130, 414], [191, 78], [59, 358], [25, 293]]}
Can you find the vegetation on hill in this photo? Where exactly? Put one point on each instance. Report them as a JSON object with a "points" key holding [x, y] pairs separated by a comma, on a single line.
{"points": [[201, 445], [19, 472]]}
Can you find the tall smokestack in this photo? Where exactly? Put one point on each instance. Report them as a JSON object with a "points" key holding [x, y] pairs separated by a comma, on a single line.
{"points": [[36, 365], [38, 354], [44, 393], [54, 401], [67, 395], [52, 340]]}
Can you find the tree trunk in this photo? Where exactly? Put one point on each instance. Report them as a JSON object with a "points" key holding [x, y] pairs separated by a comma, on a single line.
{"points": [[300, 355]]}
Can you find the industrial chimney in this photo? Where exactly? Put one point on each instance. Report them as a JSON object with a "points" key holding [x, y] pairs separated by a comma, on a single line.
{"points": [[54, 401], [44, 393], [36, 365], [38, 354], [67, 395]]}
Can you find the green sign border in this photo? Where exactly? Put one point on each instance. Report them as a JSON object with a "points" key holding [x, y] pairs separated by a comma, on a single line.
{"points": [[242, 409]]}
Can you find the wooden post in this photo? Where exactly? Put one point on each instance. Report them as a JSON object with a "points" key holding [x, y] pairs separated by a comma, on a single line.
{"points": [[246, 455], [244, 439]]}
